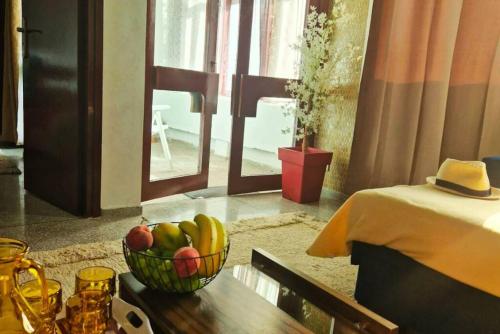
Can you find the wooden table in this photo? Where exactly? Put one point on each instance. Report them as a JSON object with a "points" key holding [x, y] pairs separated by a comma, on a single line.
{"points": [[224, 306], [227, 305]]}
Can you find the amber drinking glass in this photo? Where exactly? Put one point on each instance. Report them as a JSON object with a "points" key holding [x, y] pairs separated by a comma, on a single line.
{"points": [[32, 292], [96, 278], [86, 312]]}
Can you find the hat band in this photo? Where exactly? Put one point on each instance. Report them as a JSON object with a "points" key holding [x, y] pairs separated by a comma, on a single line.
{"points": [[461, 189]]}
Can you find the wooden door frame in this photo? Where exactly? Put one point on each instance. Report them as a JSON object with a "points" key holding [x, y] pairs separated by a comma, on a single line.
{"points": [[92, 106], [2, 32], [205, 83], [245, 104]]}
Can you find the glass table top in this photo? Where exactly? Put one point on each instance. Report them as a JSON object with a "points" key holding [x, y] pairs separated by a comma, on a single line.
{"points": [[301, 309]]}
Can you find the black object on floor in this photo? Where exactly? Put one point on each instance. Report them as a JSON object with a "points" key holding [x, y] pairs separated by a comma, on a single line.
{"points": [[208, 193]]}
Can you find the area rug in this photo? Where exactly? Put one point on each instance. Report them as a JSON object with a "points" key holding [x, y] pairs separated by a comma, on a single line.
{"points": [[8, 167], [286, 236]]}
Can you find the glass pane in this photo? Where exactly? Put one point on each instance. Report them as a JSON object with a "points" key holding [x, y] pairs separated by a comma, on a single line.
{"points": [[264, 134], [299, 308], [276, 26], [180, 34], [175, 134]]}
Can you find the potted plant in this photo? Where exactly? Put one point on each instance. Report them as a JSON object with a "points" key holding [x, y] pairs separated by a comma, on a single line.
{"points": [[319, 84]]}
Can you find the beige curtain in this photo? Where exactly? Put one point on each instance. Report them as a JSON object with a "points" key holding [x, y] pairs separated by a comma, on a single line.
{"points": [[430, 90], [11, 40]]}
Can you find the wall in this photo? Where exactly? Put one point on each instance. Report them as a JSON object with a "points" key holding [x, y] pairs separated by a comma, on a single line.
{"points": [[338, 128], [123, 102]]}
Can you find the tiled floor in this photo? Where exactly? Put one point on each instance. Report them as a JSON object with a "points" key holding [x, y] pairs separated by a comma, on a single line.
{"points": [[44, 226]]}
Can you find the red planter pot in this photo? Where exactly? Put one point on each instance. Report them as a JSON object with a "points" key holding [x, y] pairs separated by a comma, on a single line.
{"points": [[303, 173]]}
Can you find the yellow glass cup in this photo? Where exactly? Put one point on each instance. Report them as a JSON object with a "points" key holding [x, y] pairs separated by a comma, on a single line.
{"points": [[32, 292], [97, 279], [86, 312]]}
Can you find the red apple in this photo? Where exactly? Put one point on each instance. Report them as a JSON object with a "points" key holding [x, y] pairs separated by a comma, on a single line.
{"points": [[186, 261], [139, 238]]}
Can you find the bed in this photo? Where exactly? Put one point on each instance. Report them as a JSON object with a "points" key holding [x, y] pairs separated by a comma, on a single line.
{"points": [[429, 261]]}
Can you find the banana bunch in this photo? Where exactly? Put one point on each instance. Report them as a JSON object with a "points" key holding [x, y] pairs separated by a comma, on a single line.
{"points": [[209, 237]]}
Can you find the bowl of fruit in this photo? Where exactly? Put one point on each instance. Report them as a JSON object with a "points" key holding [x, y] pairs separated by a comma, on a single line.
{"points": [[177, 257]]}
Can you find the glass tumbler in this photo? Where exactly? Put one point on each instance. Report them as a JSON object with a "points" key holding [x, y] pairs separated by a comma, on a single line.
{"points": [[32, 292], [86, 312], [97, 278]]}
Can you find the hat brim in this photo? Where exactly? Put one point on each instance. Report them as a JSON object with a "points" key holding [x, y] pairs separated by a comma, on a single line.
{"points": [[495, 193]]}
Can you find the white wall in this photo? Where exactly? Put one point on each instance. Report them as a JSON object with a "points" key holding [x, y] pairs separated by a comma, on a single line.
{"points": [[123, 102]]}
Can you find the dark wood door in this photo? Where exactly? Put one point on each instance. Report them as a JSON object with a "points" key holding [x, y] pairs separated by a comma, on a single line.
{"points": [[59, 68], [2, 16]]}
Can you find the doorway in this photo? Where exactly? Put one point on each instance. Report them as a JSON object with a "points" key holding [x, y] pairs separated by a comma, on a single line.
{"points": [[215, 93], [55, 63]]}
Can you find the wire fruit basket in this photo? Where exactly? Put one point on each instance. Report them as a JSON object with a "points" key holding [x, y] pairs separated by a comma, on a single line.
{"points": [[168, 274]]}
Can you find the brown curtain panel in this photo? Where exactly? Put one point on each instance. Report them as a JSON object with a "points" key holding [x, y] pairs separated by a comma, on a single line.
{"points": [[430, 90], [10, 76]]}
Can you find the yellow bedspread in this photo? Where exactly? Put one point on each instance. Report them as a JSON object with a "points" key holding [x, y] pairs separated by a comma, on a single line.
{"points": [[457, 236]]}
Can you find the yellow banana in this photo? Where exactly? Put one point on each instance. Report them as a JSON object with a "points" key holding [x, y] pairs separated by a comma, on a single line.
{"points": [[208, 234], [207, 244], [191, 229], [222, 241]]}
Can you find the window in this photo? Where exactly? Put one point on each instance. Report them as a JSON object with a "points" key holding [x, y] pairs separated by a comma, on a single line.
{"points": [[276, 26]]}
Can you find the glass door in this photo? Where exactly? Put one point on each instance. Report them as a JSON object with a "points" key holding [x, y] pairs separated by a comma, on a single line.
{"points": [[181, 95], [266, 60]]}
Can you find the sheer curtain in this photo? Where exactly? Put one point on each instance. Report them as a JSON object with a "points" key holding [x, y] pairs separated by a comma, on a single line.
{"points": [[288, 18], [277, 27], [430, 90], [180, 36]]}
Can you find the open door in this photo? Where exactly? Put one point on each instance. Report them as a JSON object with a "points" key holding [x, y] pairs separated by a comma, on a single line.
{"points": [[181, 95], [265, 62], [62, 59]]}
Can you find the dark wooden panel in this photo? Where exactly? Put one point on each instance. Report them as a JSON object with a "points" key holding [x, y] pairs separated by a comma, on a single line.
{"points": [[52, 104], [224, 306], [92, 80], [253, 88], [166, 78], [254, 183], [62, 103], [2, 18]]}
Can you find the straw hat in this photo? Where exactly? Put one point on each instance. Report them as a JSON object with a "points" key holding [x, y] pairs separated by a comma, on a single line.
{"points": [[464, 178]]}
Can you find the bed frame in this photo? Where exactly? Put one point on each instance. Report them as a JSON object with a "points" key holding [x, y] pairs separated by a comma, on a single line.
{"points": [[418, 298]]}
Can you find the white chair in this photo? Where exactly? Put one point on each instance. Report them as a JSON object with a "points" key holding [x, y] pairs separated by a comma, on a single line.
{"points": [[158, 127]]}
